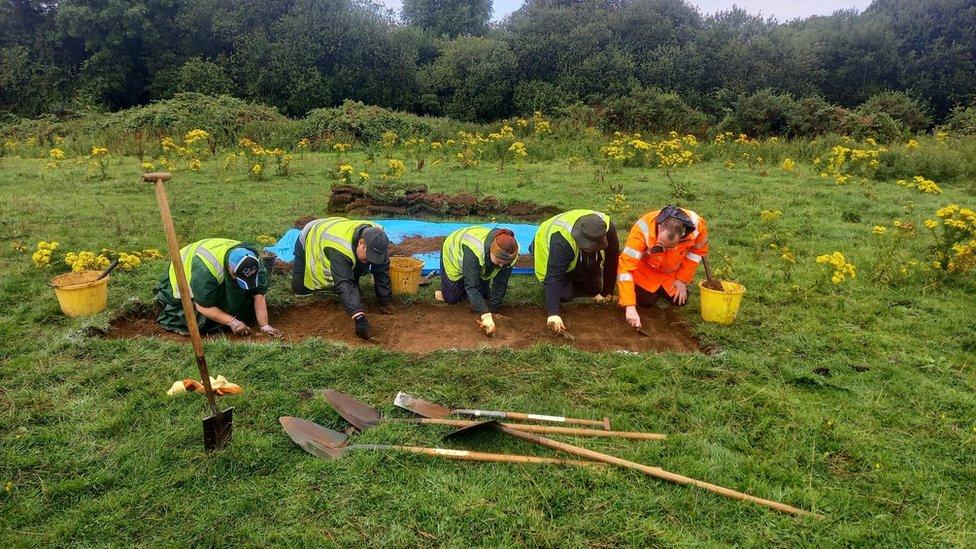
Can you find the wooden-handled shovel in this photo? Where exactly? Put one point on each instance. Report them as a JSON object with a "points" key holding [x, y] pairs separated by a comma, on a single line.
{"points": [[218, 427], [429, 409], [656, 472]]}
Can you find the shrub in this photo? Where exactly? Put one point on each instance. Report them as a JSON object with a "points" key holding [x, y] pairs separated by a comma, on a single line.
{"points": [[539, 95], [763, 114], [961, 121], [356, 121], [653, 111], [910, 113]]}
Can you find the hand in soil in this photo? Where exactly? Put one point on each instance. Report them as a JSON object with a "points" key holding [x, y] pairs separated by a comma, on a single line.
{"points": [[632, 317], [555, 323], [363, 329], [239, 328], [604, 299], [487, 324], [271, 331], [388, 309]]}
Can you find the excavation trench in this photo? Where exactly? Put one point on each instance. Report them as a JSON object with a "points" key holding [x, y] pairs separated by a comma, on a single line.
{"points": [[425, 327]]}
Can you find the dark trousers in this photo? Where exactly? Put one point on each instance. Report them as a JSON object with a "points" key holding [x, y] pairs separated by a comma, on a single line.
{"points": [[586, 280], [298, 270], [453, 291], [648, 299]]}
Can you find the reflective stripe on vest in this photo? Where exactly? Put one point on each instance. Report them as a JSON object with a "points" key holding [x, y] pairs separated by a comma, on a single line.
{"points": [[474, 238], [331, 232], [561, 224], [211, 251]]}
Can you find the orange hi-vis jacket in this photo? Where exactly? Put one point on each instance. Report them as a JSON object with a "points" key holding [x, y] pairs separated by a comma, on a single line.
{"points": [[652, 268]]}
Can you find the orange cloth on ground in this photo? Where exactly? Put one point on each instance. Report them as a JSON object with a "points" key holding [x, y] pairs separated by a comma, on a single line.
{"points": [[662, 268]]}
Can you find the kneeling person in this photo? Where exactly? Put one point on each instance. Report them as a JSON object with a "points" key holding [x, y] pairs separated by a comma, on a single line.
{"points": [[662, 253], [476, 264], [337, 252], [226, 281], [575, 255]]}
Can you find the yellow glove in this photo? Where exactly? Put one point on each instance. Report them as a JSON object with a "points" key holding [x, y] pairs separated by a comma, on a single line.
{"points": [[555, 323], [487, 323]]}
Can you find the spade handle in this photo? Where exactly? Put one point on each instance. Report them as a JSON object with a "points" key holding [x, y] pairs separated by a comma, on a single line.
{"points": [[188, 310]]}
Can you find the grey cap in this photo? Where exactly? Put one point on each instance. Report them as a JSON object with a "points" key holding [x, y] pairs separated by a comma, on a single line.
{"points": [[377, 245], [590, 232]]}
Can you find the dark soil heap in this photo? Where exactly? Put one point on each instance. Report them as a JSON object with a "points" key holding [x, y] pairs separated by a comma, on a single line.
{"points": [[417, 201]]}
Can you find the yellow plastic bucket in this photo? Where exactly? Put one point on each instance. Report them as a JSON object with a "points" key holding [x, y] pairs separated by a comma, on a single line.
{"points": [[721, 307], [79, 294], [405, 275]]}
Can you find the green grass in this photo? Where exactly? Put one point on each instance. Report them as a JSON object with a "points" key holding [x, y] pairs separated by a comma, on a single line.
{"points": [[93, 452]]}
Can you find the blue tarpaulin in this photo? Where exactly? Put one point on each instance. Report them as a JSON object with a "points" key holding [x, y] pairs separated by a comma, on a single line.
{"points": [[398, 229]]}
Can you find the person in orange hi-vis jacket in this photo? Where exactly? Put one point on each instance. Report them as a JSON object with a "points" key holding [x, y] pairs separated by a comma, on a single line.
{"points": [[659, 260]]}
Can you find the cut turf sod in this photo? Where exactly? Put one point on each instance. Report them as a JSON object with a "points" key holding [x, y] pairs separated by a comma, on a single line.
{"points": [[425, 327]]}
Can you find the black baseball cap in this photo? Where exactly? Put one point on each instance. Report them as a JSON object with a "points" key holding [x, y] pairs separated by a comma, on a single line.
{"points": [[377, 245], [244, 264], [590, 232]]}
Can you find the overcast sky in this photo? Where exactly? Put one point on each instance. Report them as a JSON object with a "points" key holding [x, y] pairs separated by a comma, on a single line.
{"points": [[780, 9]]}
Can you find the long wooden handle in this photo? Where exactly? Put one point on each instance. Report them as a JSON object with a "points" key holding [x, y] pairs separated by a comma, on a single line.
{"points": [[465, 455], [546, 429], [708, 269], [519, 416], [656, 472], [188, 311]]}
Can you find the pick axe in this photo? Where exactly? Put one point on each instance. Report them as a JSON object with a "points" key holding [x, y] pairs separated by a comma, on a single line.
{"points": [[219, 426]]}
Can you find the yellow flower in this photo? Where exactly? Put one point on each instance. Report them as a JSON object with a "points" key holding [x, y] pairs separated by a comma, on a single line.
{"points": [[98, 152], [266, 239], [788, 164], [57, 154], [128, 262], [303, 143], [147, 167], [879, 230], [518, 150], [256, 169], [193, 136], [341, 147], [912, 144], [941, 137], [364, 176], [931, 223], [768, 216], [345, 169], [194, 164]]}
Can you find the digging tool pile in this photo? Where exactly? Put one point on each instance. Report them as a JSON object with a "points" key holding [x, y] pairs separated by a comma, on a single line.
{"points": [[326, 443]]}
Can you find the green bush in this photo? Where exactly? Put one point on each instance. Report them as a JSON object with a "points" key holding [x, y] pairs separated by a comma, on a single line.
{"points": [[653, 111], [763, 114], [910, 113], [539, 95], [355, 121], [962, 121]]}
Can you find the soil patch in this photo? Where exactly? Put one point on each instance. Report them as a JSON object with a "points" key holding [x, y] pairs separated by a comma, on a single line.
{"points": [[425, 327], [418, 201]]}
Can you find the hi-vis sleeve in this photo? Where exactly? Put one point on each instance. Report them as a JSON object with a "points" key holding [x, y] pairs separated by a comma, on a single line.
{"points": [[698, 250], [630, 257]]}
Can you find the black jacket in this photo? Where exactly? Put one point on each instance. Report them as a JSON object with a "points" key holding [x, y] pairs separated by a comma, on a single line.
{"points": [[346, 274], [561, 255]]}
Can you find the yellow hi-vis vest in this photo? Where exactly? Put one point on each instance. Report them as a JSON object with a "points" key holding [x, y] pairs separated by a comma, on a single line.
{"points": [[331, 232], [559, 224], [452, 251], [211, 251]]}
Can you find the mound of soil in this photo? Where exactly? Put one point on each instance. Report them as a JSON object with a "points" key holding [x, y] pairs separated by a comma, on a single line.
{"points": [[418, 201], [425, 327]]}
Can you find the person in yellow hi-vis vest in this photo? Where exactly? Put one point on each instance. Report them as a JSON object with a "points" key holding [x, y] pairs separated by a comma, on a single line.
{"points": [[227, 283], [575, 255], [334, 253], [476, 264]]}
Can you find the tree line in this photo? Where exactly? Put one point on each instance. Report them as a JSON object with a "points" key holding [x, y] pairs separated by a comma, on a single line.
{"points": [[446, 58]]}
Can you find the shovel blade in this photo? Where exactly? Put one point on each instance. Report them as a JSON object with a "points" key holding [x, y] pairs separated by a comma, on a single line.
{"points": [[218, 429], [303, 432], [357, 413], [472, 430], [421, 407]]}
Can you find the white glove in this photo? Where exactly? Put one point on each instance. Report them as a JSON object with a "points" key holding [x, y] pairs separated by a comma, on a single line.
{"points": [[487, 323], [271, 331], [239, 328], [555, 323]]}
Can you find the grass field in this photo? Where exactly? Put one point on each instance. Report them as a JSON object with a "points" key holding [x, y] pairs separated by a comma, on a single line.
{"points": [[855, 400]]}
